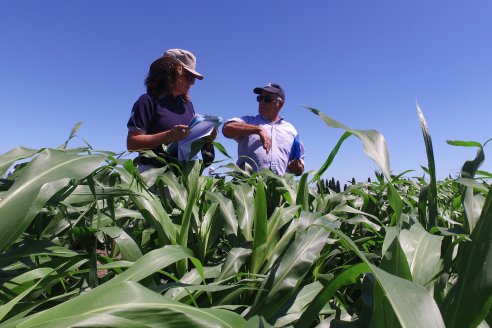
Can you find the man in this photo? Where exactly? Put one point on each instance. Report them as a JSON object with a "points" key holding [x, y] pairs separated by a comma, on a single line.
{"points": [[267, 141]]}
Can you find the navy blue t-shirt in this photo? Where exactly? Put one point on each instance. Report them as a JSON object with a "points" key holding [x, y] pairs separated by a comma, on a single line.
{"points": [[151, 115]]}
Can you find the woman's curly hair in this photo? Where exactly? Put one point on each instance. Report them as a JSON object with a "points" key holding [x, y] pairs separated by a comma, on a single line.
{"points": [[163, 76]]}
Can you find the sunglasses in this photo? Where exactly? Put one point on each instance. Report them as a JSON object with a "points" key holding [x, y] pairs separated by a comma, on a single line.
{"points": [[190, 77], [268, 99]]}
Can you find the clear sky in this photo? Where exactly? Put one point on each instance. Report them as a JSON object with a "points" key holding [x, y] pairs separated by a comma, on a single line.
{"points": [[363, 63]]}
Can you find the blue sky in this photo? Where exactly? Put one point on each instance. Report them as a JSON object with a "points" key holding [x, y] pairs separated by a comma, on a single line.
{"points": [[363, 63]]}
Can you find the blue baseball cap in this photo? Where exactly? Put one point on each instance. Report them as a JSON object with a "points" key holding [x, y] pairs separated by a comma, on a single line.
{"points": [[272, 88]]}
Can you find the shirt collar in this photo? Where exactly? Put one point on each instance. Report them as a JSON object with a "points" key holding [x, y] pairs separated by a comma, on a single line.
{"points": [[169, 97], [279, 121]]}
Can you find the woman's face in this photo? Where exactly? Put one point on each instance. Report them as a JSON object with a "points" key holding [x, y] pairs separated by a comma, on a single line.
{"points": [[184, 83]]}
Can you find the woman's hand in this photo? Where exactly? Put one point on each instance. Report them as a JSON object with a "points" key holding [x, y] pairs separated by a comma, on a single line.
{"points": [[179, 132], [211, 137], [140, 141]]}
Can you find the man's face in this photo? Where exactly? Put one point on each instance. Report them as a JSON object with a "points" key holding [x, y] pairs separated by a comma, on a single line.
{"points": [[269, 105]]}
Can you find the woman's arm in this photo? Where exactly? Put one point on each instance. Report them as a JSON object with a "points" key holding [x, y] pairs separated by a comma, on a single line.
{"points": [[139, 141]]}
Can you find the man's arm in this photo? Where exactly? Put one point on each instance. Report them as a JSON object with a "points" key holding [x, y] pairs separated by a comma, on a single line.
{"points": [[234, 130]]}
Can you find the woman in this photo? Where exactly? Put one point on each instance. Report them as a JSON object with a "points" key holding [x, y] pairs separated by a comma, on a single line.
{"points": [[161, 116]]}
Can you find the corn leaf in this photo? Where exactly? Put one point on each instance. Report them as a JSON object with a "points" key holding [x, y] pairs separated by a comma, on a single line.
{"points": [[285, 278], [18, 153], [348, 276], [432, 193], [177, 191], [47, 174], [226, 209], [260, 226], [423, 252], [128, 247], [128, 304], [243, 194], [411, 303], [470, 299], [373, 142]]}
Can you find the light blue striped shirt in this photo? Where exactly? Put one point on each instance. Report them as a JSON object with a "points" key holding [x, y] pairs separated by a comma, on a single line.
{"points": [[250, 149]]}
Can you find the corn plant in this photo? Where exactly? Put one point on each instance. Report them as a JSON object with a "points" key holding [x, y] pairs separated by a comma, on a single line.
{"points": [[87, 240]]}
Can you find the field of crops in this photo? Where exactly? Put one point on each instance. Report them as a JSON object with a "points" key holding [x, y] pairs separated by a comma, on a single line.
{"points": [[87, 241]]}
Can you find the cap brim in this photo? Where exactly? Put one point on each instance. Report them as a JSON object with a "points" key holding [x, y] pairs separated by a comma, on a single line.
{"points": [[259, 90], [197, 75]]}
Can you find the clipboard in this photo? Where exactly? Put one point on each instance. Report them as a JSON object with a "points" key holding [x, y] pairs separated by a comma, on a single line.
{"points": [[200, 126]]}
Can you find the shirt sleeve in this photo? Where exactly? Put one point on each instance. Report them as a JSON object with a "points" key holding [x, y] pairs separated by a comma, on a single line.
{"points": [[235, 119], [192, 109], [141, 116], [244, 119], [302, 150]]}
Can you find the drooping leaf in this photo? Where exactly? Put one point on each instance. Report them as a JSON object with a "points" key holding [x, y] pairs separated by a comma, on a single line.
{"points": [[128, 303], [153, 261], [44, 176], [18, 153], [373, 142], [470, 167], [331, 157]]}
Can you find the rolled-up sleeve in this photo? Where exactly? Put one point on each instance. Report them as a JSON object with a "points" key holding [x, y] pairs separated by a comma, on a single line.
{"points": [[237, 119], [141, 115]]}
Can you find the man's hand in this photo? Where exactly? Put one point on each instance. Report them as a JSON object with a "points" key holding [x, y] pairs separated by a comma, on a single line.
{"points": [[265, 140], [241, 129], [296, 166]]}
